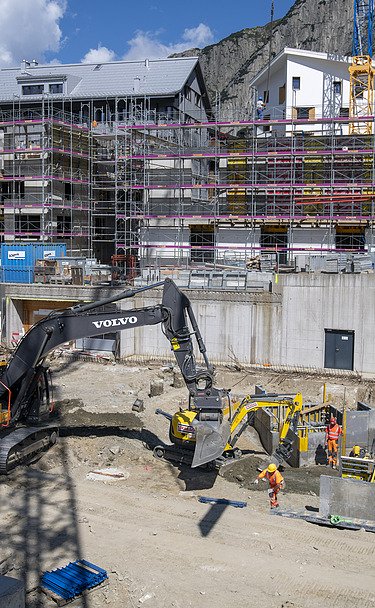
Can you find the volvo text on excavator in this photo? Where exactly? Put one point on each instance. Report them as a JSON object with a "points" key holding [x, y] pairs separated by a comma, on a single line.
{"points": [[26, 427]]}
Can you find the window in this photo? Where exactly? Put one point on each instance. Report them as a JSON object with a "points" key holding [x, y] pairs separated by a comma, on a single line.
{"points": [[68, 187], [305, 113], [282, 94], [344, 112], [266, 128], [275, 239], [33, 89], [337, 87], [296, 83], [56, 88], [64, 224], [28, 223], [350, 237], [202, 240], [266, 96], [188, 92], [11, 190], [197, 99], [100, 228]]}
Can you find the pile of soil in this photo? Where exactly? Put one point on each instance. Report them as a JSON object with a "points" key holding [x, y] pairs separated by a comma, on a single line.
{"points": [[70, 414]]}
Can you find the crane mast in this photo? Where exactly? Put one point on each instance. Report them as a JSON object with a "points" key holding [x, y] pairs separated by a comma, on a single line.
{"points": [[361, 101]]}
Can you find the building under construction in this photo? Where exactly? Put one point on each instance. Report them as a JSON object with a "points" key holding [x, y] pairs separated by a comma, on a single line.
{"points": [[128, 161]]}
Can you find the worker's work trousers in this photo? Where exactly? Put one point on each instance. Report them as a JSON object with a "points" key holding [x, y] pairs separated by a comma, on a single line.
{"points": [[332, 452], [272, 493]]}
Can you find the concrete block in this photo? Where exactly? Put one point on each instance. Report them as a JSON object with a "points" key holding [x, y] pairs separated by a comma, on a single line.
{"points": [[138, 406], [347, 497], [12, 592], [156, 388]]}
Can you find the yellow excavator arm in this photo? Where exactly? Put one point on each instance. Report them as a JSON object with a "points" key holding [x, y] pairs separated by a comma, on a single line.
{"points": [[242, 408]]}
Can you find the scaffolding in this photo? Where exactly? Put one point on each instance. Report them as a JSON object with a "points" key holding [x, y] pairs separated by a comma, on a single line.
{"points": [[224, 191], [45, 177], [153, 191]]}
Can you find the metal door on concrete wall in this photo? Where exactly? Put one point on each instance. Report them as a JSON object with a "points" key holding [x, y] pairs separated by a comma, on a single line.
{"points": [[339, 349]]}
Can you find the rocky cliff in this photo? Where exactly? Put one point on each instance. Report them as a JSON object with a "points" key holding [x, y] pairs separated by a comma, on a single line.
{"points": [[229, 65]]}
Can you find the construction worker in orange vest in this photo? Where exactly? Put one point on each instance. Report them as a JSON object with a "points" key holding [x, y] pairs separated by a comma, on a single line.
{"points": [[333, 432], [276, 482]]}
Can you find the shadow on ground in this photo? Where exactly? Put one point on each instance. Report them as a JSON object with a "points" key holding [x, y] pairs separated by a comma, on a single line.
{"points": [[43, 525]]}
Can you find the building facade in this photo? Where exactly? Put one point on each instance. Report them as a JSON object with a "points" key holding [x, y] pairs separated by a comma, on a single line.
{"points": [[126, 160], [63, 157]]}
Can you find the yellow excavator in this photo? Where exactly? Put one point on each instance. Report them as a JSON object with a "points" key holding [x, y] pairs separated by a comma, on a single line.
{"points": [[240, 415]]}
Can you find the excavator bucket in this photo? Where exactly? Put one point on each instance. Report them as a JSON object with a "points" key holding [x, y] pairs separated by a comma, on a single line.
{"points": [[285, 448], [210, 441]]}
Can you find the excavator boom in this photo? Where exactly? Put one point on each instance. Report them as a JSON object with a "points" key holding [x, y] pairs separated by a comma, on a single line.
{"points": [[19, 382]]}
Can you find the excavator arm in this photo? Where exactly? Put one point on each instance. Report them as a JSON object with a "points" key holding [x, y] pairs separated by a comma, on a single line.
{"points": [[19, 381]]}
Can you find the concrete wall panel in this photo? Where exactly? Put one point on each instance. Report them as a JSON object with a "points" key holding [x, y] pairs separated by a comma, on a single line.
{"points": [[357, 429], [347, 497]]}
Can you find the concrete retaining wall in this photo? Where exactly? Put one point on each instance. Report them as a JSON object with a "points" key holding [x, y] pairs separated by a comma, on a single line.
{"points": [[347, 497], [281, 328], [285, 327]]}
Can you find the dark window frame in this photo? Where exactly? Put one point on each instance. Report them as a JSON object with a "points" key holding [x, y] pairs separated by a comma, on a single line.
{"points": [[32, 89], [337, 87], [59, 86], [296, 80]]}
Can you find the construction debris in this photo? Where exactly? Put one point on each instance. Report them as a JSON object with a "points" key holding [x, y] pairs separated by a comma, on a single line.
{"points": [[138, 405], [110, 473], [156, 388]]}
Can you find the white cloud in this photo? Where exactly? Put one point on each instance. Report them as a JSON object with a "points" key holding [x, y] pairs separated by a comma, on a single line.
{"points": [[147, 45], [29, 28], [198, 36], [99, 55]]}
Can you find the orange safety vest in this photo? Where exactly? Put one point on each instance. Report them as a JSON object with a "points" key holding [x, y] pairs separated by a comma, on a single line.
{"points": [[334, 432], [275, 478]]}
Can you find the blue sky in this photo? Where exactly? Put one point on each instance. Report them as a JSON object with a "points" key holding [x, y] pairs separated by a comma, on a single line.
{"points": [[70, 31]]}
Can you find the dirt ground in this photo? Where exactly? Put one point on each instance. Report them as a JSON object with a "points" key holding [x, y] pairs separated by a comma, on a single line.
{"points": [[161, 547]]}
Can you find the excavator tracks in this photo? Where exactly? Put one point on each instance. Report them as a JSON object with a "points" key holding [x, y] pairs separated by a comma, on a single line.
{"points": [[24, 443], [178, 455]]}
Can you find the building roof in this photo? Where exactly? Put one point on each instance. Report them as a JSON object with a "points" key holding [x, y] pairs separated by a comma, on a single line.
{"points": [[301, 53], [156, 77]]}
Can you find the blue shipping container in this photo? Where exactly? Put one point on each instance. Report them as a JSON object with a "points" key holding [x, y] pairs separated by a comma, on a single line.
{"points": [[18, 259]]}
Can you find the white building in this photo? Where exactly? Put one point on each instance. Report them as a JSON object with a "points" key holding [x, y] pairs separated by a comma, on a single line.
{"points": [[301, 84]]}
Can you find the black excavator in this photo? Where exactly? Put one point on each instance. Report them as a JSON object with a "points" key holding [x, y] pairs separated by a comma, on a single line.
{"points": [[26, 428]]}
